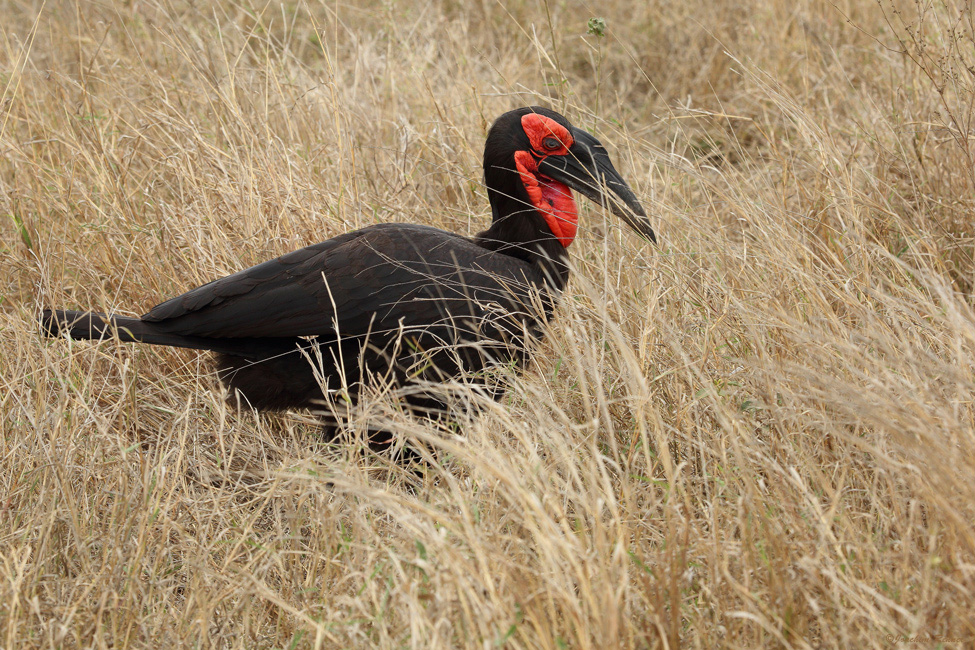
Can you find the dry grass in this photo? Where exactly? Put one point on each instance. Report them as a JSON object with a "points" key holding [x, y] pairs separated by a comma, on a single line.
{"points": [[759, 434]]}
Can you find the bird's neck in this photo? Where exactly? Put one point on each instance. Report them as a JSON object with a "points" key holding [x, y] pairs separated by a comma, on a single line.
{"points": [[518, 228], [523, 234]]}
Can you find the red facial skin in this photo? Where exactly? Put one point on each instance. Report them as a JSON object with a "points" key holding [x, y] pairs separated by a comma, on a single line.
{"points": [[552, 199]]}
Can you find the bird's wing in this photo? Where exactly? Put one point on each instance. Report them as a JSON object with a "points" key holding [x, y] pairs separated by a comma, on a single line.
{"points": [[378, 278]]}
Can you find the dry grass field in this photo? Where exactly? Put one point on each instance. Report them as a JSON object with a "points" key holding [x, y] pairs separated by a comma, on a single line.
{"points": [[758, 434]]}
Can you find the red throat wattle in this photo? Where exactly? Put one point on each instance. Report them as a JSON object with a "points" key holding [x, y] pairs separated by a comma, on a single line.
{"points": [[552, 199]]}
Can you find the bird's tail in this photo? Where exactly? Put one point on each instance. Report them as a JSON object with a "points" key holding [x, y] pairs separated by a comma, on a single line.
{"points": [[93, 325]]}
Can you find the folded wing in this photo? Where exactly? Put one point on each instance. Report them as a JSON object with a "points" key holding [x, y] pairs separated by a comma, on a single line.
{"points": [[379, 278]]}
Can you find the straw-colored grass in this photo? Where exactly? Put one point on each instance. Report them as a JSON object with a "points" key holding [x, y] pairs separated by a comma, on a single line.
{"points": [[760, 433]]}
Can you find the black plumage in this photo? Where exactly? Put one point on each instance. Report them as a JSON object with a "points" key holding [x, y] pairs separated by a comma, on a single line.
{"points": [[408, 305]]}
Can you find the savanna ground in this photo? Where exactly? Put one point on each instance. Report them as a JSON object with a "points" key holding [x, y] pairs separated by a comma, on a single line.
{"points": [[759, 433]]}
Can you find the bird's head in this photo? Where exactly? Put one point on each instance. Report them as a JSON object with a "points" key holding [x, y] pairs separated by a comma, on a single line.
{"points": [[549, 156]]}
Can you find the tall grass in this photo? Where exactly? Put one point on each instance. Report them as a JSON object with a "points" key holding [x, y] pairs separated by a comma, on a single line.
{"points": [[759, 433]]}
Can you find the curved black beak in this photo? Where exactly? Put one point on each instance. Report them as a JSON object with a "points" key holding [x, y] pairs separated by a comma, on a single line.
{"points": [[588, 170]]}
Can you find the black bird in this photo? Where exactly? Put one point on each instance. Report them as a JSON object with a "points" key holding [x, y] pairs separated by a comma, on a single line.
{"points": [[408, 305]]}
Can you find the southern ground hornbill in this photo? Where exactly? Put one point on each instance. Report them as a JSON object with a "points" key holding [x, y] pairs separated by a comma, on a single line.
{"points": [[405, 305]]}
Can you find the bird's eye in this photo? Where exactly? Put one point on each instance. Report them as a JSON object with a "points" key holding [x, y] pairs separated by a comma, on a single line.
{"points": [[551, 144]]}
